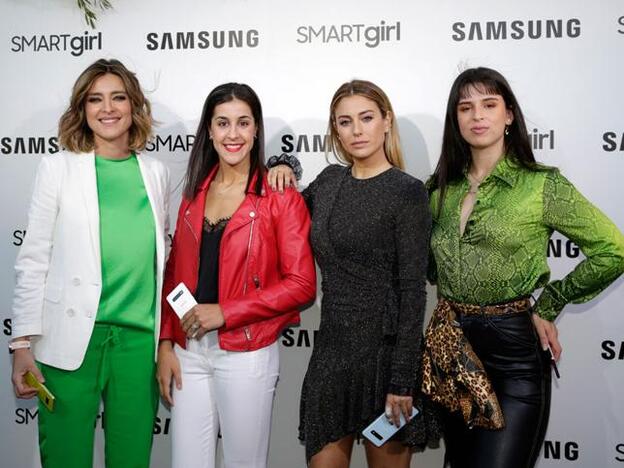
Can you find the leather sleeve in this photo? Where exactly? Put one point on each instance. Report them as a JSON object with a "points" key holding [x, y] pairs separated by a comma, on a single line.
{"points": [[297, 286]]}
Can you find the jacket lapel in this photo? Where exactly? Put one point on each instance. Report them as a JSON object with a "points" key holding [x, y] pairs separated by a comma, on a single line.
{"points": [[244, 214], [155, 197], [151, 187], [88, 180]]}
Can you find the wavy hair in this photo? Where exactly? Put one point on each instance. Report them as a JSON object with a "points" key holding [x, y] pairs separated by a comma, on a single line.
{"points": [[74, 132]]}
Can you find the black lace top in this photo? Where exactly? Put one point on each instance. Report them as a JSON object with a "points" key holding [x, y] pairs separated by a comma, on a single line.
{"points": [[208, 281]]}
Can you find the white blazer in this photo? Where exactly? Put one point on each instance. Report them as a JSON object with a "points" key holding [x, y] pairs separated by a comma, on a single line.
{"points": [[59, 275]]}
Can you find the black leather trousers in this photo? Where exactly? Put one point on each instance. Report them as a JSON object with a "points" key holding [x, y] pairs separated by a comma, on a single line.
{"points": [[520, 374]]}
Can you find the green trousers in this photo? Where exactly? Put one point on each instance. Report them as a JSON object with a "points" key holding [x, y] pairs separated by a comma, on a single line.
{"points": [[119, 370]]}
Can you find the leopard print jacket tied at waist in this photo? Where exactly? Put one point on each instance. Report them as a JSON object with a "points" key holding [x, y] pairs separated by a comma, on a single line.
{"points": [[453, 375]]}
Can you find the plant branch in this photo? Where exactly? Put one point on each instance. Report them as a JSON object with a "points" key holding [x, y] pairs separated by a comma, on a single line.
{"points": [[89, 7]]}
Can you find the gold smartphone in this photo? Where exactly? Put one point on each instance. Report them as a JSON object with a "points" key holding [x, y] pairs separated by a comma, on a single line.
{"points": [[43, 393]]}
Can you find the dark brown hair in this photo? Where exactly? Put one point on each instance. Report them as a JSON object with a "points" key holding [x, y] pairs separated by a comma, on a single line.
{"points": [[204, 157], [455, 155]]}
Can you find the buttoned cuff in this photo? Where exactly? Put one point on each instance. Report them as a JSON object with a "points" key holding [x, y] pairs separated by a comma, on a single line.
{"points": [[550, 303]]}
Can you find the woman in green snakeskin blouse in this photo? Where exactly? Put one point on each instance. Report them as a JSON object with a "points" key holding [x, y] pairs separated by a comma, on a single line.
{"points": [[494, 210]]}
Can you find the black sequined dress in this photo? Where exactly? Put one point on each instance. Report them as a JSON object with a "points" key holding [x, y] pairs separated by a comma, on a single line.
{"points": [[370, 238]]}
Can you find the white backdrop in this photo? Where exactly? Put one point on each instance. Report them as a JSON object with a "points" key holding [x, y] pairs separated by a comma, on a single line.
{"points": [[563, 58]]}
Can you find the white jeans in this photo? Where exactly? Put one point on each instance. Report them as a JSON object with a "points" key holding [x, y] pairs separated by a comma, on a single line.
{"points": [[227, 391]]}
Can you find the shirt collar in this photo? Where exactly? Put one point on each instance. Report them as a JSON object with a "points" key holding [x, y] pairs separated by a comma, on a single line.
{"points": [[506, 170]]}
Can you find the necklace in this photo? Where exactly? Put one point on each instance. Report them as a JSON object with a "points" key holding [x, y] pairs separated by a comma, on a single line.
{"points": [[474, 183]]}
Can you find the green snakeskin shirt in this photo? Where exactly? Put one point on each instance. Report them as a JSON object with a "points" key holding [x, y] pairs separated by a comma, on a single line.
{"points": [[502, 254]]}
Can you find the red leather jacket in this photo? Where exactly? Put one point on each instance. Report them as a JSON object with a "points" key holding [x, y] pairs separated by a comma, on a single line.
{"points": [[266, 267]]}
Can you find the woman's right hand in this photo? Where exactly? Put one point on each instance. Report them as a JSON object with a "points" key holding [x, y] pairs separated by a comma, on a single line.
{"points": [[548, 335], [280, 177], [24, 361], [168, 366]]}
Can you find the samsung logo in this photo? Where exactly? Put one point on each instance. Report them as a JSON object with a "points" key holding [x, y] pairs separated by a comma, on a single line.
{"points": [[516, 30], [613, 141], [558, 248], [189, 40], [75, 45], [316, 143], [370, 35], [29, 145], [557, 450], [298, 338], [18, 237], [612, 350]]}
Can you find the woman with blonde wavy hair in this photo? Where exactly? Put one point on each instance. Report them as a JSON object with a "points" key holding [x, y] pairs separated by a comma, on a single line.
{"points": [[370, 235], [86, 313]]}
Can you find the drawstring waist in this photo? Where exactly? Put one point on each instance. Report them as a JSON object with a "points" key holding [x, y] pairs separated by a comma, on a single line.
{"points": [[112, 340], [112, 335]]}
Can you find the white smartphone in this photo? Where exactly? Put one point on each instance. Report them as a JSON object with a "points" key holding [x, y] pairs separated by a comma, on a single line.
{"points": [[181, 300], [382, 428]]}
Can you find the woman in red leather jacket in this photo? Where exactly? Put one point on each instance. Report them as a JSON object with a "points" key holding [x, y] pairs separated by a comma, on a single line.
{"points": [[243, 252]]}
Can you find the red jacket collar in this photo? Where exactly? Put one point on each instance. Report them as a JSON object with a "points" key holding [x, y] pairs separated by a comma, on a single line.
{"points": [[194, 209]]}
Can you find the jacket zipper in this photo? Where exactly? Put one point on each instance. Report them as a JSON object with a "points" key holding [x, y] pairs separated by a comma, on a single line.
{"points": [[188, 224], [190, 227], [251, 230]]}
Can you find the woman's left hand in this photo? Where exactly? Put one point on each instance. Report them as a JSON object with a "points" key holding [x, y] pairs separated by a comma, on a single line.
{"points": [[201, 319], [548, 335], [397, 404]]}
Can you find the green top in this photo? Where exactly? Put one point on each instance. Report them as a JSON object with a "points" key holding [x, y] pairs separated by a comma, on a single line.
{"points": [[127, 244], [502, 254]]}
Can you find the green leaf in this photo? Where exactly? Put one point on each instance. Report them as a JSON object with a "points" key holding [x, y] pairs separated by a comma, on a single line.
{"points": [[88, 8]]}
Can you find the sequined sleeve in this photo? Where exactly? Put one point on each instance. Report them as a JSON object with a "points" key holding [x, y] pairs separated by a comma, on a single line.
{"points": [[412, 231]]}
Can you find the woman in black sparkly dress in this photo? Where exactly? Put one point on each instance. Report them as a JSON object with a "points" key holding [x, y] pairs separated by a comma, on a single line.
{"points": [[370, 235]]}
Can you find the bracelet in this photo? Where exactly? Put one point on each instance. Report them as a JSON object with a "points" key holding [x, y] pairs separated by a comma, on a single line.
{"points": [[13, 345]]}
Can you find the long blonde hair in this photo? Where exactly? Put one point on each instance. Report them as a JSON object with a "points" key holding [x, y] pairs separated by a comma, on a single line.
{"points": [[392, 142]]}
